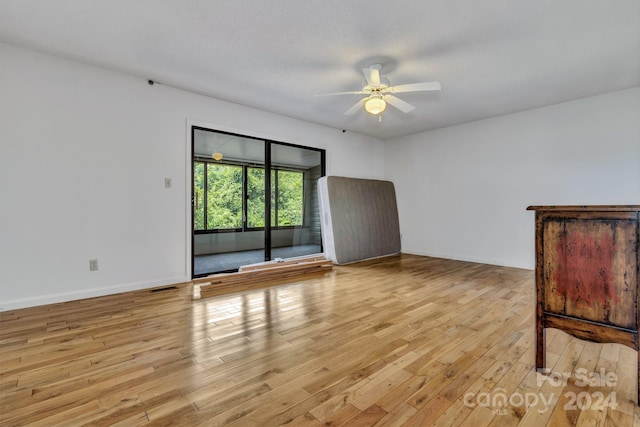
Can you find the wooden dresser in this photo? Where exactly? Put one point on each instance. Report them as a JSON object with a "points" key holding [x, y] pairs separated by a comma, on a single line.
{"points": [[587, 274]]}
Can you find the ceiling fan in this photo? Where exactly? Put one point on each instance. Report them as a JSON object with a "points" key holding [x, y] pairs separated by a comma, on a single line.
{"points": [[380, 92]]}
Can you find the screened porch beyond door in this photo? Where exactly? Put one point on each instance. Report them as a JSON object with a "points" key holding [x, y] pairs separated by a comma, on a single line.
{"points": [[232, 261]]}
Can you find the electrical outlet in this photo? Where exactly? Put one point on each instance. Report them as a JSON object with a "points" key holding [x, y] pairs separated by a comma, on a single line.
{"points": [[167, 183], [93, 265]]}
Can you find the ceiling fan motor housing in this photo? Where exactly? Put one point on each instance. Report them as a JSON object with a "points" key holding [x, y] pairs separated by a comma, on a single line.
{"points": [[384, 83]]}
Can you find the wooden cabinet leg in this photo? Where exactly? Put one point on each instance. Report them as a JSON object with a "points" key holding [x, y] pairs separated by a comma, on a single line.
{"points": [[541, 361]]}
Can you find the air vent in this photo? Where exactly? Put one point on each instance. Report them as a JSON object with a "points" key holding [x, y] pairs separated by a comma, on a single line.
{"points": [[168, 288]]}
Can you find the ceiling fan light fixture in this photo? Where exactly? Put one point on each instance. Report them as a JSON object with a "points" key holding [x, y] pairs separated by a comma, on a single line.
{"points": [[217, 156], [375, 104]]}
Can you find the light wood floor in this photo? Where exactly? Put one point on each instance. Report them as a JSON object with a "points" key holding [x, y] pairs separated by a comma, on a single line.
{"points": [[404, 341]]}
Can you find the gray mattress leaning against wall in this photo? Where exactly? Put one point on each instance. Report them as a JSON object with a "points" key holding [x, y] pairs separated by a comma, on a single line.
{"points": [[359, 218]]}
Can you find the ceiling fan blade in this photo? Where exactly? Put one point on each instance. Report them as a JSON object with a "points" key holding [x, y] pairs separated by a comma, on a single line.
{"points": [[372, 75], [416, 87], [399, 103], [355, 107], [352, 92]]}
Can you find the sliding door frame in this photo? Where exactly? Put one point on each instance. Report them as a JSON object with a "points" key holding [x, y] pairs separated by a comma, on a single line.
{"points": [[191, 128]]}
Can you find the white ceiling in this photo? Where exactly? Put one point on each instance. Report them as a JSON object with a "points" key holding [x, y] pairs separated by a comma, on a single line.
{"points": [[492, 57]]}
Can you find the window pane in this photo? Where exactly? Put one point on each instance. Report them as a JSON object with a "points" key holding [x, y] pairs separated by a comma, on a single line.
{"points": [[224, 196], [290, 197], [198, 195], [255, 197]]}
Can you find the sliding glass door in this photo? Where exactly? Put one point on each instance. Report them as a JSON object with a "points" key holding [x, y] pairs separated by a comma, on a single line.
{"points": [[253, 200], [295, 216]]}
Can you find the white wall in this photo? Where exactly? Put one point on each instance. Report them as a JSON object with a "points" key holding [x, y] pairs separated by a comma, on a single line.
{"points": [[83, 157], [462, 191], [84, 153]]}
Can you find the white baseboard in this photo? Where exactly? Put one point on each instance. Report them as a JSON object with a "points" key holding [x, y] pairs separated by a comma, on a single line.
{"points": [[86, 293], [467, 259]]}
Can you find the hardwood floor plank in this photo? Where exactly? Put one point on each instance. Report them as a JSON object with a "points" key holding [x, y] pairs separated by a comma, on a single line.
{"points": [[344, 417], [401, 393], [461, 383], [398, 417], [368, 417], [426, 415], [397, 341], [626, 382]]}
